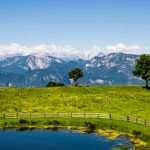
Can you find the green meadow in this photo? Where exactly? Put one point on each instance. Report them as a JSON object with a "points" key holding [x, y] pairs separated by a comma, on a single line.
{"points": [[119, 100]]}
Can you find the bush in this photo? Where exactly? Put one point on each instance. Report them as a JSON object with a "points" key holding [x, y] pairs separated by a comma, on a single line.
{"points": [[136, 133], [23, 121], [89, 125], [5, 123], [13, 123], [56, 122], [54, 84], [49, 122], [53, 122], [33, 122]]}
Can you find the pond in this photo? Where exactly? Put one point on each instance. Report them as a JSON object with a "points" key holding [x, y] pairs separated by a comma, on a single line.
{"points": [[60, 139]]}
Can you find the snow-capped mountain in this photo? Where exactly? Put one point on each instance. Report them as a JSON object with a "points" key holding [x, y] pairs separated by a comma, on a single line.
{"points": [[114, 68], [38, 70], [20, 64]]}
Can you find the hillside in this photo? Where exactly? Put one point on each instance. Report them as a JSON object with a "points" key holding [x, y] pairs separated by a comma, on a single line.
{"points": [[37, 71], [119, 100]]}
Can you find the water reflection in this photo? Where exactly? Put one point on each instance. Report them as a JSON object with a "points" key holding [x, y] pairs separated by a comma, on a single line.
{"points": [[58, 139]]}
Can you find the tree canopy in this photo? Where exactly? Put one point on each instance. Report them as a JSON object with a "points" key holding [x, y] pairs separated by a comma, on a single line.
{"points": [[75, 74], [142, 68]]}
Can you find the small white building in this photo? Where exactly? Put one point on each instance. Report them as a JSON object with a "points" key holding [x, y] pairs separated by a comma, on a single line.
{"points": [[9, 84]]}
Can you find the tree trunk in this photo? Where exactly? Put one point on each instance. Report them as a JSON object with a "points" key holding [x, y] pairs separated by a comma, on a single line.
{"points": [[74, 83], [146, 83]]}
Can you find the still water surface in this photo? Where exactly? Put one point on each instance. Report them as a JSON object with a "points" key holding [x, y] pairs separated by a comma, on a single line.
{"points": [[61, 139]]}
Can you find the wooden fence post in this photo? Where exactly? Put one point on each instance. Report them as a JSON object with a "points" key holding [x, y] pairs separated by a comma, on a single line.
{"points": [[57, 115], [4, 115], [137, 120], [128, 118], [71, 115], [145, 123], [30, 114], [17, 115], [110, 116]]}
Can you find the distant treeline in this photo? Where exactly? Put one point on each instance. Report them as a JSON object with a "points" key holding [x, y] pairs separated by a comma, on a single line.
{"points": [[53, 84]]}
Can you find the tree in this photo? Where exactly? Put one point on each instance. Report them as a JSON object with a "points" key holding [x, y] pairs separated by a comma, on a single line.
{"points": [[75, 74], [142, 68]]}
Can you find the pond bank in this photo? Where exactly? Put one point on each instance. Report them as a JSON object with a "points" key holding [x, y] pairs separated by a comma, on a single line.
{"points": [[139, 135]]}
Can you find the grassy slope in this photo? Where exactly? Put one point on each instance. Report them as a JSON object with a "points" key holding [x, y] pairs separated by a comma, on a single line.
{"points": [[123, 100]]}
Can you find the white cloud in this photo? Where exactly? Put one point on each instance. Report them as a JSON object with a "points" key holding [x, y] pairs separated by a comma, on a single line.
{"points": [[67, 51], [130, 49], [64, 52]]}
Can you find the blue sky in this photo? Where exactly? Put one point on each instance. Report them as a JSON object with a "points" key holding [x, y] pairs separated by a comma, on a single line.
{"points": [[79, 23]]}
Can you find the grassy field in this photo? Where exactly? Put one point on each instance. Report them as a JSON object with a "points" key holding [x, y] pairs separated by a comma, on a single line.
{"points": [[119, 100]]}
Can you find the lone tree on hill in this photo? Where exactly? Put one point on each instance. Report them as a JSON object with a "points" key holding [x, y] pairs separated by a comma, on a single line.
{"points": [[75, 74], [142, 68]]}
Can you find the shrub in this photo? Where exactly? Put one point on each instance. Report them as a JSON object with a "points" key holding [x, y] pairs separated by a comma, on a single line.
{"points": [[89, 125], [54, 84], [23, 121], [55, 122], [33, 122], [13, 123], [49, 122], [136, 133], [5, 123]]}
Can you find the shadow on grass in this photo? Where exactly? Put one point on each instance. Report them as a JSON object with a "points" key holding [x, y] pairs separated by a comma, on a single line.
{"points": [[147, 88]]}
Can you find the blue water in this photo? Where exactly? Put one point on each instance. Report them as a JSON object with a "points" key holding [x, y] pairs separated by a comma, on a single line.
{"points": [[61, 139]]}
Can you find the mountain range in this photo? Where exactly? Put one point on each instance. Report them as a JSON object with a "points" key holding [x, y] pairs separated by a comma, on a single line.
{"points": [[35, 70]]}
